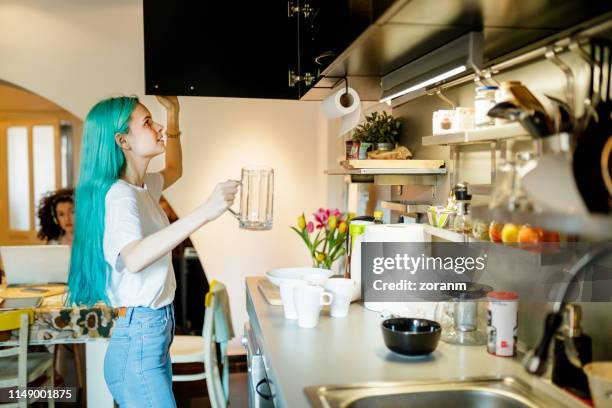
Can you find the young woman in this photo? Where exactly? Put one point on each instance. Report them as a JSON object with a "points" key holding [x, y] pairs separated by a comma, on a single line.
{"points": [[56, 217], [122, 245]]}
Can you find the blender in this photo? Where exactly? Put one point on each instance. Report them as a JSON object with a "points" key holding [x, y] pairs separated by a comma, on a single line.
{"points": [[463, 318]]}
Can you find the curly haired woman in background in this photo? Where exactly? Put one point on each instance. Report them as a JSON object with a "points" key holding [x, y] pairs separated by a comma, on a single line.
{"points": [[56, 217]]}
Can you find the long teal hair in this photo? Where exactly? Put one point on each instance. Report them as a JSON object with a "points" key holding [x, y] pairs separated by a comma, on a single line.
{"points": [[102, 163]]}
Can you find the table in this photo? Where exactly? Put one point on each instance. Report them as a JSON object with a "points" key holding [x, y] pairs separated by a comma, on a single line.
{"points": [[55, 323]]}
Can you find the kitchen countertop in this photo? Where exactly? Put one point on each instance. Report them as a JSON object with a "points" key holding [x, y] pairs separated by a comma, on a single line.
{"points": [[350, 350]]}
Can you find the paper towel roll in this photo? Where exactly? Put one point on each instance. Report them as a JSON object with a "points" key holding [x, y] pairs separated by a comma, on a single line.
{"points": [[395, 233], [345, 105]]}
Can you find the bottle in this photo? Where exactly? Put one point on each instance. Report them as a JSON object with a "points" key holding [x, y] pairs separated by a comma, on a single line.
{"points": [[564, 373], [378, 217], [463, 219]]}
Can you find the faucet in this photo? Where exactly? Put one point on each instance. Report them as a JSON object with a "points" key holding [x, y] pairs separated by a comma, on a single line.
{"points": [[536, 360]]}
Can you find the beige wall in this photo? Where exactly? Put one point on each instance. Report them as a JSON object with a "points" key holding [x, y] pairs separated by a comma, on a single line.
{"points": [[77, 52]]}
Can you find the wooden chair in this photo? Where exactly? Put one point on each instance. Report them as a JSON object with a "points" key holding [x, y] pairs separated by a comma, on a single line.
{"points": [[17, 367], [203, 349]]}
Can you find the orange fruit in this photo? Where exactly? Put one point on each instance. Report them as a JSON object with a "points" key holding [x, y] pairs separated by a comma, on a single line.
{"points": [[495, 230], [530, 237]]}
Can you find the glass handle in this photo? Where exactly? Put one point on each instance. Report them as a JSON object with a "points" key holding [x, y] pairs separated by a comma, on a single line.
{"points": [[234, 213]]}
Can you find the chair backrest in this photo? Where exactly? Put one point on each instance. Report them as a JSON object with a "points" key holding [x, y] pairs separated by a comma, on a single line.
{"points": [[21, 350], [217, 330]]}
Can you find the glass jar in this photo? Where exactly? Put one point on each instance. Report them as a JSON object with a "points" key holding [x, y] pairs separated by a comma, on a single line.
{"points": [[483, 102], [480, 229], [463, 220]]}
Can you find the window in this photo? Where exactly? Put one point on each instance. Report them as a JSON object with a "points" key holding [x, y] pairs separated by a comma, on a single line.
{"points": [[35, 157]]}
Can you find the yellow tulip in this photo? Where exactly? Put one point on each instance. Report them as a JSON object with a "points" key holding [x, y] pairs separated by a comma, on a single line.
{"points": [[331, 222], [320, 257], [301, 222], [342, 227]]}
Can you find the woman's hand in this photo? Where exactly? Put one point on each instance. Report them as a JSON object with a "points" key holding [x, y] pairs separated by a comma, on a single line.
{"points": [[171, 103], [220, 200]]}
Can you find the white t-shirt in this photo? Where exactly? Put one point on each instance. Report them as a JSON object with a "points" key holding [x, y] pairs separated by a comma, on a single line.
{"points": [[133, 213]]}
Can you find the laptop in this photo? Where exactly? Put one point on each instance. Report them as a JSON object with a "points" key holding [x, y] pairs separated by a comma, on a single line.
{"points": [[35, 264]]}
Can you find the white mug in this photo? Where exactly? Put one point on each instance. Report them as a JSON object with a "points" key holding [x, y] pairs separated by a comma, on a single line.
{"points": [[286, 292], [342, 289], [308, 302]]}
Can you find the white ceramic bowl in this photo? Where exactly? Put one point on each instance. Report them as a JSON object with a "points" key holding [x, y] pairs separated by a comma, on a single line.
{"points": [[276, 276]]}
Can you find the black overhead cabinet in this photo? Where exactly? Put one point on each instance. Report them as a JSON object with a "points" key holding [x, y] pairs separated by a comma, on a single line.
{"points": [[271, 49], [220, 48]]}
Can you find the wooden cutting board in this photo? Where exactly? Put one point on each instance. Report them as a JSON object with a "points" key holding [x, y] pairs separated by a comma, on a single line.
{"points": [[270, 292], [31, 291], [392, 164]]}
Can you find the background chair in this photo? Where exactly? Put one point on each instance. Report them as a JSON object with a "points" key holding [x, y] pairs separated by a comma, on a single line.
{"points": [[17, 367], [210, 348]]}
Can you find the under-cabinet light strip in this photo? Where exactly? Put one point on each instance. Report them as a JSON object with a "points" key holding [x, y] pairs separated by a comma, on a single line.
{"points": [[421, 85]]}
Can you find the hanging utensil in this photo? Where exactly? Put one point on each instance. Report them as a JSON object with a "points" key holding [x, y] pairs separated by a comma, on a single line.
{"points": [[592, 159]]}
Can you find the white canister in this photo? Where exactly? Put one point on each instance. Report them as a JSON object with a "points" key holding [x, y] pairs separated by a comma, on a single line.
{"points": [[502, 323]]}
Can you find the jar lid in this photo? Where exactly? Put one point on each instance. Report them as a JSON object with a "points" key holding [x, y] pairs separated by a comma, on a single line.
{"points": [[487, 88], [502, 295], [473, 291]]}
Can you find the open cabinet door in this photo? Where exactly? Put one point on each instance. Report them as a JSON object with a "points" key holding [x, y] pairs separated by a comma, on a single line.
{"points": [[30, 157]]}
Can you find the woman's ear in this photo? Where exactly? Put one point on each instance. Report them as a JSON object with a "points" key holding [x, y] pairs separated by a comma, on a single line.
{"points": [[121, 140]]}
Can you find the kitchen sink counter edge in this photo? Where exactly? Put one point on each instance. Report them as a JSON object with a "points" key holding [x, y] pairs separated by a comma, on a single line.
{"points": [[351, 350]]}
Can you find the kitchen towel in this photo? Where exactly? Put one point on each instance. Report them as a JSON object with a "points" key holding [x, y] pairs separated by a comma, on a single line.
{"points": [[343, 103]]}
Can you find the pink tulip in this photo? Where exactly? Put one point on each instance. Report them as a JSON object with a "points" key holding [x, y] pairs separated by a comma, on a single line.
{"points": [[310, 227]]}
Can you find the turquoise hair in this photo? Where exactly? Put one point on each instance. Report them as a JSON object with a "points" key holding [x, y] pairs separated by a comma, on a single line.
{"points": [[102, 163]]}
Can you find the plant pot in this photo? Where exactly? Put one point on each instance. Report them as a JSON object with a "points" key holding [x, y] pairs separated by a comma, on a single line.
{"points": [[364, 148], [384, 146]]}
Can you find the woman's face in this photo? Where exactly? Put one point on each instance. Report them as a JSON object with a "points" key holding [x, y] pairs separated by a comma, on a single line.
{"points": [[64, 211], [145, 136]]}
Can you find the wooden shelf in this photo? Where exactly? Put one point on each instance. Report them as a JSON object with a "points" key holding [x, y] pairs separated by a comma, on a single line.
{"points": [[375, 172], [388, 167], [481, 135]]}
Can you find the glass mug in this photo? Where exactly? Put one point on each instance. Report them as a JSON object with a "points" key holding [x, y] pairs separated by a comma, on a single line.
{"points": [[256, 198]]}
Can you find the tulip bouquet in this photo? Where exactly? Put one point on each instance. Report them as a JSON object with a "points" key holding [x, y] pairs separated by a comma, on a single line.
{"points": [[326, 246]]}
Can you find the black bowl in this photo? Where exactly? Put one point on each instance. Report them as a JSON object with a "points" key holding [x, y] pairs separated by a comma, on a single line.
{"points": [[411, 337]]}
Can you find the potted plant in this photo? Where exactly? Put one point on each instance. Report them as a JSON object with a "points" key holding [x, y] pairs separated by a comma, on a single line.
{"points": [[379, 132]]}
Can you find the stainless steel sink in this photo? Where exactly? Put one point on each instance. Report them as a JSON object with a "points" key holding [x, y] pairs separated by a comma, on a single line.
{"points": [[506, 392]]}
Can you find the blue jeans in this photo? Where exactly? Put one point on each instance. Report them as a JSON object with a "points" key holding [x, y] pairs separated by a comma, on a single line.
{"points": [[137, 366]]}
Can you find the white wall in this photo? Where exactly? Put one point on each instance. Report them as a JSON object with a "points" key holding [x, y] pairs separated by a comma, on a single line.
{"points": [[75, 53]]}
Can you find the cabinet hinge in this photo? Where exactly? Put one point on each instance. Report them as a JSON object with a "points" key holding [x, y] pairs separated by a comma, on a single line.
{"points": [[293, 9], [308, 79]]}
